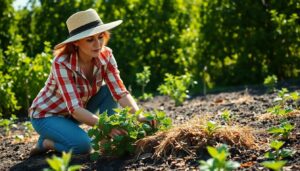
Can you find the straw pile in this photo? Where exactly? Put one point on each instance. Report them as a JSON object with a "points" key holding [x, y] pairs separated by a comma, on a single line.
{"points": [[193, 135]]}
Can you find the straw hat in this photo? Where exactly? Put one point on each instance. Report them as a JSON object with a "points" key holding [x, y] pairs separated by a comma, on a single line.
{"points": [[84, 24]]}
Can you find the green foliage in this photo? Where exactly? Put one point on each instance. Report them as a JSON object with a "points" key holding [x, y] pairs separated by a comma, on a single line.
{"points": [[61, 163], [218, 42], [142, 79], [244, 41], [270, 82], [176, 87], [218, 162], [7, 95], [211, 127], [226, 116], [283, 130], [282, 108], [102, 143], [8, 123], [274, 165], [279, 153]]}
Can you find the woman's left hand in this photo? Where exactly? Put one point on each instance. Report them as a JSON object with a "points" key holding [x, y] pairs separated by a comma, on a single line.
{"points": [[142, 118]]}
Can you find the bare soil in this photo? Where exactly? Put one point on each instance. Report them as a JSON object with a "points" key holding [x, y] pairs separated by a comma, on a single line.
{"points": [[248, 107]]}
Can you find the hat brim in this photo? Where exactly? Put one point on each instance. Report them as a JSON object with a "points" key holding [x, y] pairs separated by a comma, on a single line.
{"points": [[89, 32]]}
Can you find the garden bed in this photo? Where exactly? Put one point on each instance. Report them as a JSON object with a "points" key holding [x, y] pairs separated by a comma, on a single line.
{"points": [[184, 149]]}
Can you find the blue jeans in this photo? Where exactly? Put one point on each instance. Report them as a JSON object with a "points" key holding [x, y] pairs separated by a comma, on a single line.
{"points": [[66, 133]]}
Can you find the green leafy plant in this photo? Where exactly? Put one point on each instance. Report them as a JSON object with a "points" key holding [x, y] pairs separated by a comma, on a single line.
{"points": [[219, 161], [279, 111], [282, 108], [142, 79], [279, 153], [8, 123], [270, 82], [274, 165], [211, 127], [226, 116], [176, 87], [103, 144], [61, 163], [283, 130]]}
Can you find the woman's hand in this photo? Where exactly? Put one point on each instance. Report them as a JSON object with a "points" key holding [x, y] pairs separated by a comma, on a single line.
{"points": [[117, 132], [142, 118]]}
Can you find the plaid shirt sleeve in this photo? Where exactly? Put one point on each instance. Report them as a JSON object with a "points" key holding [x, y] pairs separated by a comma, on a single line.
{"points": [[113, 80], [66, 86]]}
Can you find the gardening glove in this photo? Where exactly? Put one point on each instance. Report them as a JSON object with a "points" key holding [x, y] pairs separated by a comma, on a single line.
{"points": [[152, 122]]}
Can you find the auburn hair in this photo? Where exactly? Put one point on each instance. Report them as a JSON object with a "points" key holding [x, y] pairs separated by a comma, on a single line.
{"points": [[69, 48]]}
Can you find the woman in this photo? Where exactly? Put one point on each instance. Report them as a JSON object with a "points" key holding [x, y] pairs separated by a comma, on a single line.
{"points": [[84, 80]]}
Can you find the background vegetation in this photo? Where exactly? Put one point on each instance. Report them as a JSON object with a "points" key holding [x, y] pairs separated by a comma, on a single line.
{"points": [[218, 42]]}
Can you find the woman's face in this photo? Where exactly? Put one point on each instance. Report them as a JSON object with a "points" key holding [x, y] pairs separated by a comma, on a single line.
{"points": [[90, 46]]}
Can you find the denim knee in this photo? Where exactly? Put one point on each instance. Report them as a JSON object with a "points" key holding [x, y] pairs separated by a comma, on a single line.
{"points": [[82, 146]]}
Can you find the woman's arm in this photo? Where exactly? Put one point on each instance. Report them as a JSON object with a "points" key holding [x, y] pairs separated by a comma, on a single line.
{"points": [[128, 101], [84, 116]]}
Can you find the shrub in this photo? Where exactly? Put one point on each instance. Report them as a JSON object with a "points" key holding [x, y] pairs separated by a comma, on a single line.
{"points": [[103, 144], [176, 87]]}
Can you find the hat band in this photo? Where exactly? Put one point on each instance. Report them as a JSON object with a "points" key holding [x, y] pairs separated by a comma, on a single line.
{"points": [[85, 27]]}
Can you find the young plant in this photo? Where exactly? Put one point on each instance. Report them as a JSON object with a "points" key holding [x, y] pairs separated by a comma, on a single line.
{"points": [[211, 127], [176, 87], [279, 110], [219, 160], [8, 123], [103, 144], [270, 82], [279, 153], [61, 163], [283, 130], [274, 165], [226, 116], [142, 79]]}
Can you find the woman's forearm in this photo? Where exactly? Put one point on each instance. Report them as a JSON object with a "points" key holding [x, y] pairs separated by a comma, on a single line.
{"points": [[84, 116], [128, 101]]}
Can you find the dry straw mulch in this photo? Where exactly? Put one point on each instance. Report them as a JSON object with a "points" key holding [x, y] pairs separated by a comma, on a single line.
{"points": [[270, 116], [193, 135]]}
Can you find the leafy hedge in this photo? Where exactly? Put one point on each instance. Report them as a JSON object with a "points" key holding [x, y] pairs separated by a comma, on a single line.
{"points": [[219, 42]]}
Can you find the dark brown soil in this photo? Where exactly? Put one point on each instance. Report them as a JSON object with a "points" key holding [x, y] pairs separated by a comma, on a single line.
{"points": [[247, 106]]}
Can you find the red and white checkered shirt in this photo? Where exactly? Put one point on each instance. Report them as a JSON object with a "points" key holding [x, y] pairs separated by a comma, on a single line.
{"points": [[67, 87]]}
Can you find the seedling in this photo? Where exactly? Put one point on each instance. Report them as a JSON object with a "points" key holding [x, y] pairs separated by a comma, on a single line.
{"points": [[274, 165], [103, 144], [283, 130], [279, 111], [61, 163], [218, 162], [176, 87], [279, 153], [270, 82], [211, 127], [226, 116], [8, 123], [142, 79]]}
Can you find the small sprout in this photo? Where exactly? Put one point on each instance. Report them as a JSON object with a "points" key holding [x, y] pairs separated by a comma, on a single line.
{"points": [[279, 153], [274, 165], [211, 127], [219, 160], [61, 163], [283, 130]]}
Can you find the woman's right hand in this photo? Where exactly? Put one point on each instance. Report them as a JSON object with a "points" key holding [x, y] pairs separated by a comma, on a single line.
{"points": [[117, 132]]}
